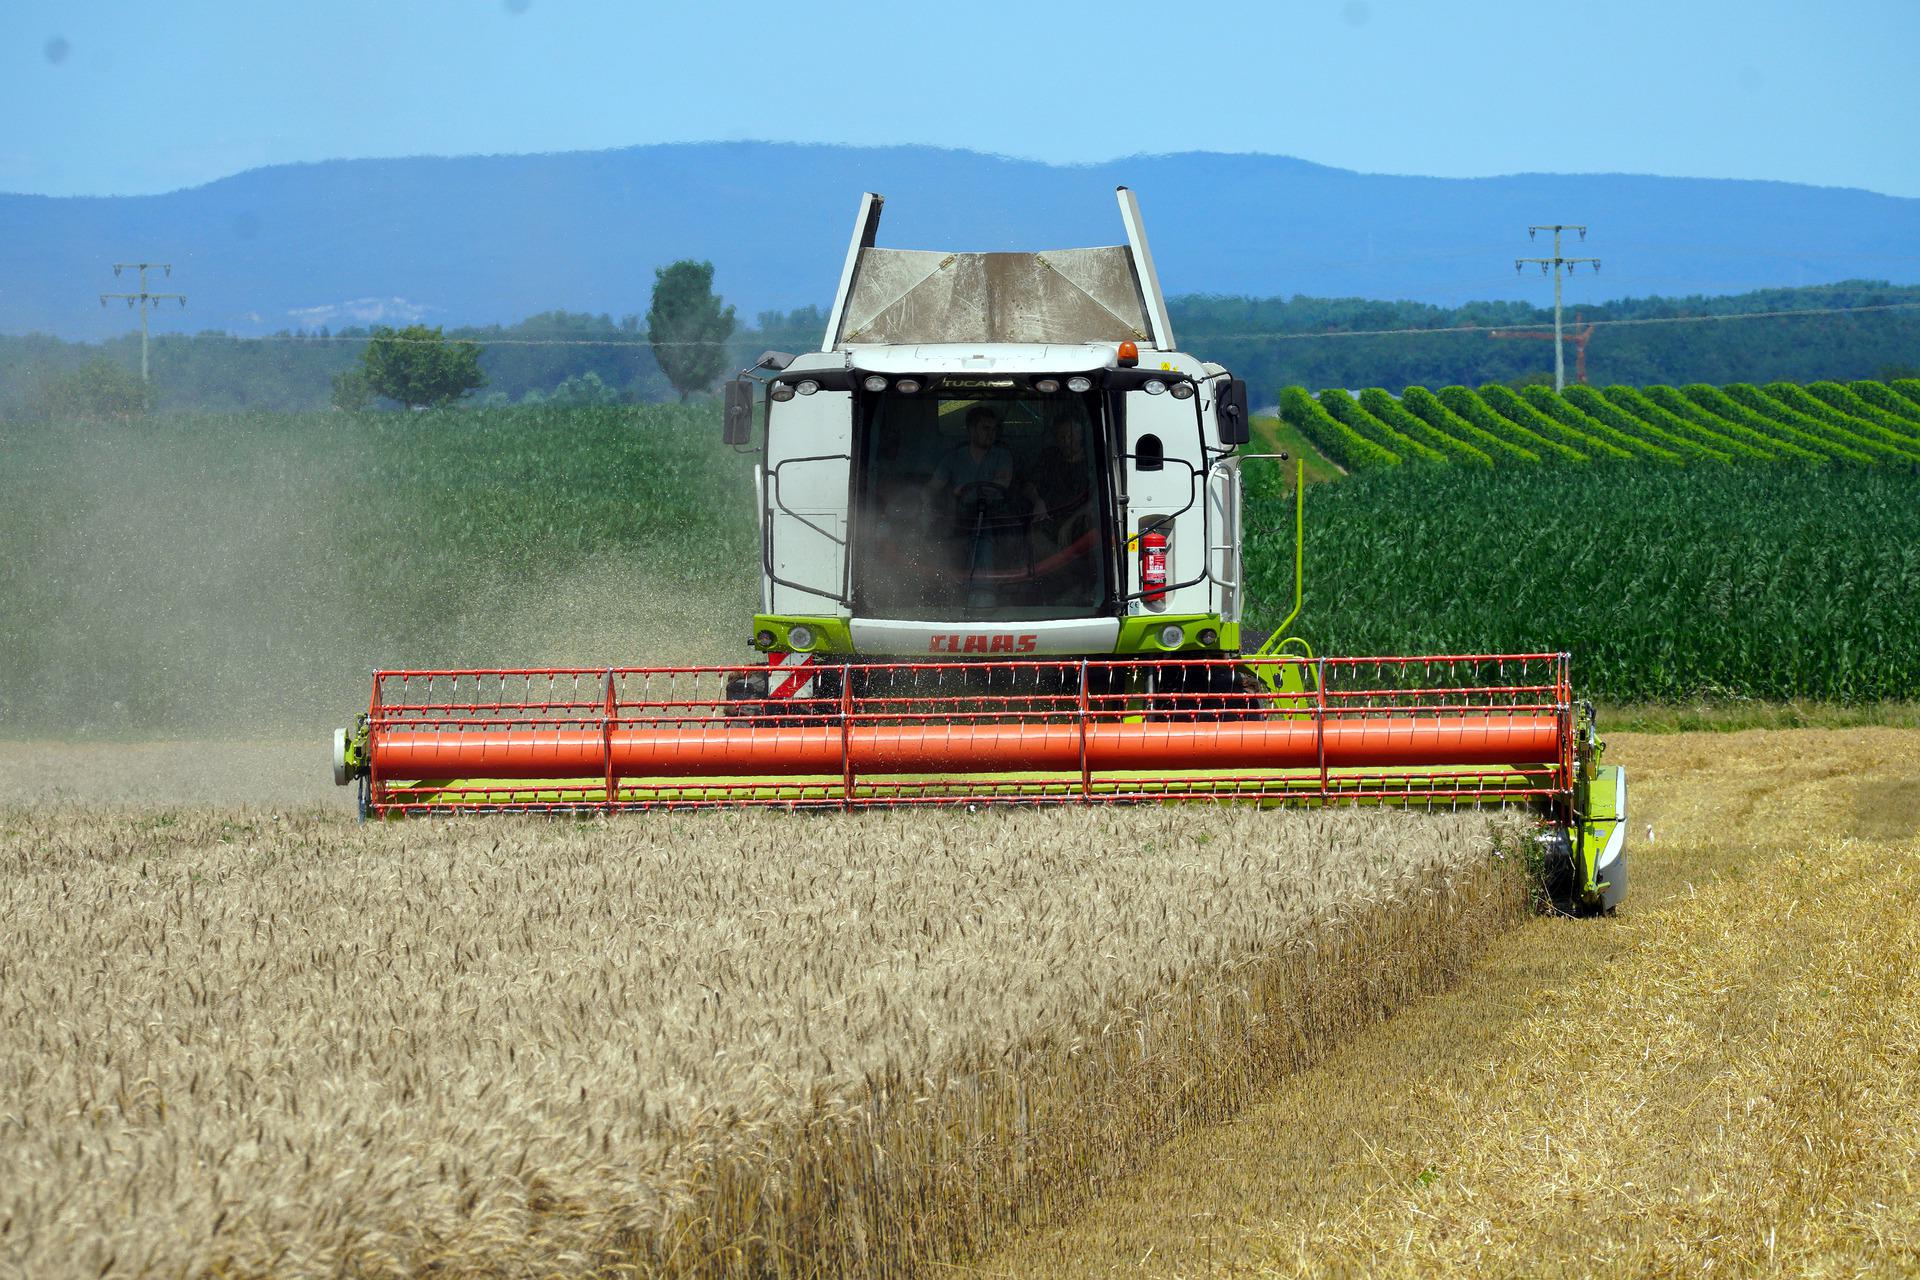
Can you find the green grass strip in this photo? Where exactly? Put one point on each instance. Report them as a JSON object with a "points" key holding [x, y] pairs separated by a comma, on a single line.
{"points": [[1332, 437], [1567, 414], [1390, 411], [1341, 405], [1426, 406], [1908, 388], [1272, 435], [1771, 417], [1726, 715], [1466, 402], [1508, 404]]}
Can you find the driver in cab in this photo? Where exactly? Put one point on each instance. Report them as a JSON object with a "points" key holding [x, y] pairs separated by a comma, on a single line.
{"points": [[971, 483], [979, 469]]}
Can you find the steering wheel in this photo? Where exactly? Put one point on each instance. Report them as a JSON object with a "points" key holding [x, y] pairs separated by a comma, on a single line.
{"points": [[979, 493]]}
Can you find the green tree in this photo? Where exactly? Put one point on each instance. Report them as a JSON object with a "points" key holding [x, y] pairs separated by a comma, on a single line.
{"points": [[1535, 378], [583, 388], [688, 327], [100, 388], [418, 367], [352, 393]]}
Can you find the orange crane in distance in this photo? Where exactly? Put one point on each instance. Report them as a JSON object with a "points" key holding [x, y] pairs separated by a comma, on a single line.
{"points": [[1578, 335]]}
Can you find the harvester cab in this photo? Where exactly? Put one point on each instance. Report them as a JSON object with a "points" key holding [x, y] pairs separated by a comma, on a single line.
{"points": [[999, 455], [1001, 561]]}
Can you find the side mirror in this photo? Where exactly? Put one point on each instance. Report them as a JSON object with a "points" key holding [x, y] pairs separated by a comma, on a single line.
{"points": [[737, 421], [1230, 412]]}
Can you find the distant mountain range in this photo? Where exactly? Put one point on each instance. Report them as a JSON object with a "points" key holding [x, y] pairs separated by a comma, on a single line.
{"points": [[494, 238]]}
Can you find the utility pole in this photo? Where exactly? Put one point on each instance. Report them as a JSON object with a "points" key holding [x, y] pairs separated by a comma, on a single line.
{"points": [[1556, 264], [143, 298]]}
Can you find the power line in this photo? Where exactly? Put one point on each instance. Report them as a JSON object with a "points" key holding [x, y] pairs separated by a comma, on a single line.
{"points": [[1557, 265], [1268, 336], [143, 298], [1598, 324]]}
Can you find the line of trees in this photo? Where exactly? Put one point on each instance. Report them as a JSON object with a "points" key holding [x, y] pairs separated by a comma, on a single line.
{"points": [[1790, 348], [419, 367], [689, 339], [683, 348]]}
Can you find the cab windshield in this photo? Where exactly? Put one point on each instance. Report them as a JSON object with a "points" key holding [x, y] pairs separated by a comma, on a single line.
{"points": [[981, 506]]}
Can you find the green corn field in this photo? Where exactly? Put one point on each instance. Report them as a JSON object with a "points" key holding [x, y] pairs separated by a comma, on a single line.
{"points": [[1664, 582]]}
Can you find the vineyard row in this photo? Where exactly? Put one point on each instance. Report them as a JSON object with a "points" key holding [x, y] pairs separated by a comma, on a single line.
{"points": [[1822, 423]]}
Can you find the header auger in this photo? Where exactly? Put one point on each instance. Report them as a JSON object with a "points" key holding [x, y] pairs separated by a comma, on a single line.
{"points": [[1000, 545]]}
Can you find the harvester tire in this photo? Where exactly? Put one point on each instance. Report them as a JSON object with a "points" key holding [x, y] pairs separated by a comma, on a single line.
{"points": [[1192, 692]]}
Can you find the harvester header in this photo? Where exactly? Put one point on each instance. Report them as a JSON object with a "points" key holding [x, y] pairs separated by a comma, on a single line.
{"points": [[1001, 560]]}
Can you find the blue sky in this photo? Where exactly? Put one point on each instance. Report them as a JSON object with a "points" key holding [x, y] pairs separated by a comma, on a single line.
{"points": [[121, 98]]}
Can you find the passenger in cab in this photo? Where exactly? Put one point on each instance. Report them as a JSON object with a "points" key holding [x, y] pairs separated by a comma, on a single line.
{"points": [[1063, 483]]}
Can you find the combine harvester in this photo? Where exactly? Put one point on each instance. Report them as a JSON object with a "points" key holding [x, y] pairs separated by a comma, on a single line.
{"points": [[1000, 561]]}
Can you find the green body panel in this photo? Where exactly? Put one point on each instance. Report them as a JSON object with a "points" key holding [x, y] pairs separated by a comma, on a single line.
{"points": [[1601, 813], [1285, 666], [1142, 634], [831, 635], [355, 759]]}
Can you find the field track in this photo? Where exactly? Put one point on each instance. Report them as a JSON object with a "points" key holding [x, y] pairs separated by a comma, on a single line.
{"points": [[1720, 1079]]}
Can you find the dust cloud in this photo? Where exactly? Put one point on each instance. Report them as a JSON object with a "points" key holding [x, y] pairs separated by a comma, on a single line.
{"points": [[231, 590]]}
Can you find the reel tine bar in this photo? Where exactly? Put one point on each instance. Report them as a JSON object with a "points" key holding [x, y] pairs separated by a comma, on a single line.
{"points": [[1476, 728]]}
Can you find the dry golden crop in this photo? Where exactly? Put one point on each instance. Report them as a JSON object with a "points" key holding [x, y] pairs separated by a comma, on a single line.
{"points": [[1722, 1080], [235, 1042]]}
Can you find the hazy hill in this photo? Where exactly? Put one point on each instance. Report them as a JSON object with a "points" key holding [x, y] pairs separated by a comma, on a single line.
{"points": [[493, 238]]}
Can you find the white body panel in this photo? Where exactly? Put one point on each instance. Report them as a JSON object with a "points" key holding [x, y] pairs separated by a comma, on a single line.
{"points": [[1223, 513], [1169, 498], [804, 504], [985, 639], [983, 358], [1149, 279]]}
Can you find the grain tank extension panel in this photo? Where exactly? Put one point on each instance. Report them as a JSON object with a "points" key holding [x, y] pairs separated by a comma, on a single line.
{"points": [[1063, 296]]}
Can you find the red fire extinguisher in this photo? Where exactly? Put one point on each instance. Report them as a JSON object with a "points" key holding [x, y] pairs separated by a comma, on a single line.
{"points": [[1153, 567]]}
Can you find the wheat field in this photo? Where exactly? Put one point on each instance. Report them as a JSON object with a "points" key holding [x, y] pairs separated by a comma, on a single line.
{"points": [[240, 1041]]}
